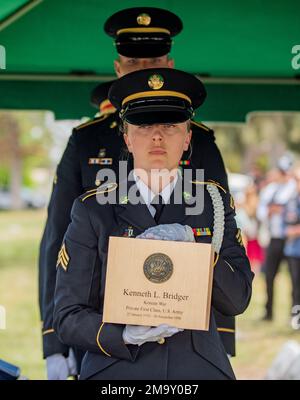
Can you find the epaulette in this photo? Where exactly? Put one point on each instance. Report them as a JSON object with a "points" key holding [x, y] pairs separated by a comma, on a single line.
{"points": [[93, 121], [106, 107], [210, 182], [200, 125], [105, 188]]}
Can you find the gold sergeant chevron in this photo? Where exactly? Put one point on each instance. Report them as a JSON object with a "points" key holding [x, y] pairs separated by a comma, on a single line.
{"points": [[63, 258]]}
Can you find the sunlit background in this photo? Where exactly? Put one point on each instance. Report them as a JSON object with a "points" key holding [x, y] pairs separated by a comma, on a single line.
{"points": [[56, 52]]}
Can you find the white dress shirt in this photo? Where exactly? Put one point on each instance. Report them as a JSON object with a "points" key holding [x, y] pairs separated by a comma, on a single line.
{"points": [[148, 195]]}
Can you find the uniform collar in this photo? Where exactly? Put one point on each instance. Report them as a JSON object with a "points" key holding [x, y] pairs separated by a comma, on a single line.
{"points": [[138, 215], [147, 193]]}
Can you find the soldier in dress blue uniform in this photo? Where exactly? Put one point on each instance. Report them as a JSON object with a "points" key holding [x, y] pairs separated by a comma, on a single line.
{"points": [[156, 106], [143, 39]]}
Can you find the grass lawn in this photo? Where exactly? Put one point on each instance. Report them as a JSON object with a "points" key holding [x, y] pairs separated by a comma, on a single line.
{"points": [[20, 343]]}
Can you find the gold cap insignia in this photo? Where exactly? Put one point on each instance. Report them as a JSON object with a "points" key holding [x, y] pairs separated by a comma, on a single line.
{"points": [[156, 81], [144, 19]]}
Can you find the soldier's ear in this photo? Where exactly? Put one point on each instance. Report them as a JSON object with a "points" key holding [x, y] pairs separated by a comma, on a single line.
{"points": [[117, 67], [171, 63], [187, 141], [127, 142]]}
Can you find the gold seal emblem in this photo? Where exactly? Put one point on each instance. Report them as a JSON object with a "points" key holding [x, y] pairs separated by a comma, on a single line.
{"points": [[158, 268], [144, 19], [156, 81]]}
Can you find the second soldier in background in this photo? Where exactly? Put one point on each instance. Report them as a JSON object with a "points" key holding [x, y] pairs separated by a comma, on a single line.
{"points": [[98, 144]]}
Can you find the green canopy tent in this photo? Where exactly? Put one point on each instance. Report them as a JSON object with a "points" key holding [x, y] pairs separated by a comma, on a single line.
{"points": [[56, 52]]}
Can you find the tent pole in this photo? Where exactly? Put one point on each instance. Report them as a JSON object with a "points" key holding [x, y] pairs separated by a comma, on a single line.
{"points": [[104, 78], [18, 13]]}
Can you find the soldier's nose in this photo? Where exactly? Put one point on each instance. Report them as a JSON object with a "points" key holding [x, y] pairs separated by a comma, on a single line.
{"points": [[157, 135]]}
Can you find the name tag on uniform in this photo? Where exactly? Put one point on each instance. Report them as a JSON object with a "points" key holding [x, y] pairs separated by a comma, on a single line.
{"points": [[100, 161]]}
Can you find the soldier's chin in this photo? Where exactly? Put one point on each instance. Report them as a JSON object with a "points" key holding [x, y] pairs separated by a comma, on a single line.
{"points": [[158, 163]]}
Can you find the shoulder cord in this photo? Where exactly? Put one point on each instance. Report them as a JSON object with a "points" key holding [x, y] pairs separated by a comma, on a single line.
{"points": [[219, 217]]}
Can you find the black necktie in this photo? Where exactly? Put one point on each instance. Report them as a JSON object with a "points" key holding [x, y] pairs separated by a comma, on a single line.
{"points": [[158, 204]]}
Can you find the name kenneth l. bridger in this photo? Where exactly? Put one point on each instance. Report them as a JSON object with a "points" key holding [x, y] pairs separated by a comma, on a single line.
{"points": [[156, 295]]}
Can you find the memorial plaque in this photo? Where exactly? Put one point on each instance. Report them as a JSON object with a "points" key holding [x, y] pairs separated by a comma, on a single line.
{"points": [[152, 282]]}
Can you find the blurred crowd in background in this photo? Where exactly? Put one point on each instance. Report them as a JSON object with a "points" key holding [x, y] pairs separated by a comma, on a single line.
{"points": [[262, 160], [268, 214]]}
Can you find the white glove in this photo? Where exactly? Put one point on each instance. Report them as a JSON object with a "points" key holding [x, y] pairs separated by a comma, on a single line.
{"points": [[138, 334], [60, 367], [177, 232]]}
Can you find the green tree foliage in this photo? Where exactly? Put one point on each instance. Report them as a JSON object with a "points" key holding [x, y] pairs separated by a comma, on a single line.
{"points": [[24, 144]]}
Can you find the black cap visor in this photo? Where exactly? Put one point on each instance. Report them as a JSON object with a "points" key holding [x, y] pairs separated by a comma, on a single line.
{"points": [[143, 45], [157, 111]]}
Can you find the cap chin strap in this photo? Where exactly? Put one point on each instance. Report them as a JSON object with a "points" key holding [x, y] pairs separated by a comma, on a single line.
{"points": [[143, 30], [157, 93]]}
